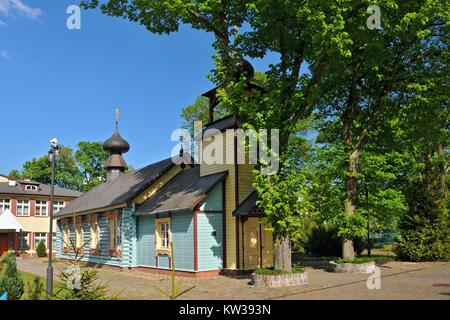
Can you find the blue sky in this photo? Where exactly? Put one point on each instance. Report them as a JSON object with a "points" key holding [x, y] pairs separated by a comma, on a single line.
{"points": [[62, 83]]}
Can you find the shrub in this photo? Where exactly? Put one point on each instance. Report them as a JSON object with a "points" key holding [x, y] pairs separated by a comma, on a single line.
{"points": [[41, 250], [425, 241], [10, 280], [325, 242], [424, 230], [35, 289]]}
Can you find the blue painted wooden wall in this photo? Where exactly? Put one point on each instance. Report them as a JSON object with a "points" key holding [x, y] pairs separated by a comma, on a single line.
{"points": [[210, 241]]}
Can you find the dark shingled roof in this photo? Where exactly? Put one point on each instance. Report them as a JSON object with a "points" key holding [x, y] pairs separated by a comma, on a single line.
{"points": [[248, 206], [119, 191], [44, 190], [183, 192]]}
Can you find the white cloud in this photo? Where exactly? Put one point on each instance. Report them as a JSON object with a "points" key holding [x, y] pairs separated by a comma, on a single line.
{"points": [[4, 54], [13, 7]]}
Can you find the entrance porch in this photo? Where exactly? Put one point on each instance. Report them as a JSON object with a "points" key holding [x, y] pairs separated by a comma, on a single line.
{"points": [[10, 231]]}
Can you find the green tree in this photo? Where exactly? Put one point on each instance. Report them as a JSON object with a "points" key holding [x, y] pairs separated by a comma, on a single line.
{"points": [[80, 171], [90, 157], [362, 85], [347, 81], [10, 280], [67, 174]]}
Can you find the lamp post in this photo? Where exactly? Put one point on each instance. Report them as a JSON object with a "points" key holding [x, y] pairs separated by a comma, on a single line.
{"points": [[52, 154]]}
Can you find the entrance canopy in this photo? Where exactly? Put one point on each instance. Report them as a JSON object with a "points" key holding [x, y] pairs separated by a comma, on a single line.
{"points": [[9, 222]]}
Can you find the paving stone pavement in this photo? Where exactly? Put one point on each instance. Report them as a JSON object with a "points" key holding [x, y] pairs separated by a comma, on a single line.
{"points": [[399, 280]]}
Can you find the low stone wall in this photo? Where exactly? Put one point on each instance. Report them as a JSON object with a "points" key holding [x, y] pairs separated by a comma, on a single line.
{"points": [[368, 267], [281, 280]]}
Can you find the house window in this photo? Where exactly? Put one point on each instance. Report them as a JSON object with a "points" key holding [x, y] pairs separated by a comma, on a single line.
{"points": [[53, 241], [57, 206], [41, 208], [79, 234], [163, 236], [38, 237], [95, 235], [23, 208], [24, 241], [114, 235], [31, 188], [66, 237], [4, 205], [164, 232]]}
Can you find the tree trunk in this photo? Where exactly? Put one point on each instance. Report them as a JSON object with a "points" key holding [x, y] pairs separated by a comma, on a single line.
{"points": [[348, 251], [283, 259]]}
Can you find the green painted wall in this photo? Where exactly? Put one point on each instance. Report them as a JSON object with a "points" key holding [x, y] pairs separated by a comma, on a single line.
{"points": [[146, 241], [214, 200], [182, 225], [210, 241]]}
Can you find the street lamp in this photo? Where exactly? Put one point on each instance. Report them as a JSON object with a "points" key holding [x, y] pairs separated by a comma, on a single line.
{"points": [[52, 154]]}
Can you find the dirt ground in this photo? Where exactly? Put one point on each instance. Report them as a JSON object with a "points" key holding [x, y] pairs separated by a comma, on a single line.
{"points": [[399, 280]]}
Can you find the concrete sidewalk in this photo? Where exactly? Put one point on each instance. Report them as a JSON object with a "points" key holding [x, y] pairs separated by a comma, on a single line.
{"points": [[399, 280]]}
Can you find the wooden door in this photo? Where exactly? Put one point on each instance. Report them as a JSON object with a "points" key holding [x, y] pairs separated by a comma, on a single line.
{"points": [[267, 247], [252, 244], [3, 244]]}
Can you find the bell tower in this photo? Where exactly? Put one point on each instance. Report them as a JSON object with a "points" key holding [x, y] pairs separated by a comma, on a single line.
{"points": [[115, 165]]}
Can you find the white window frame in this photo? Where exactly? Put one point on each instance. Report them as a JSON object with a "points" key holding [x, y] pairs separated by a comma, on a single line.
{"points": [[39, 206], [30, 187], [5, 204], [38, 238], [22, 204], [164, 235], [58, 205]]}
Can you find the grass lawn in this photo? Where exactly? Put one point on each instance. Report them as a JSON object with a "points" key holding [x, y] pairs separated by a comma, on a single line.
{"points": [[28, 279]]}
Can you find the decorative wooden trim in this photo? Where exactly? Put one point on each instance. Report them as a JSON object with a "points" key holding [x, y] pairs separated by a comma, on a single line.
{"points": [[115, 253], [93, 218], [163, 252], [195, 241], [112, 215], [94, 252], [236, 199], [224, 225], [260, 245], [243, 243]]}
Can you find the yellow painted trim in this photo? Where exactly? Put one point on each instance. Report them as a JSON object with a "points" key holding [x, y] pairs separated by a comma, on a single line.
{"points": [[157, 185]]}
